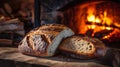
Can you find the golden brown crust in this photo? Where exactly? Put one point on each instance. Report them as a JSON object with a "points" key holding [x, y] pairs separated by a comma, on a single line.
{"points": [[27, 47], [40, 39], [39, 49]]}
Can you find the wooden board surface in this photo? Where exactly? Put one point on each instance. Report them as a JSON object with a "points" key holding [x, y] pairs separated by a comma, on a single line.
{"points": [[8, 53]]}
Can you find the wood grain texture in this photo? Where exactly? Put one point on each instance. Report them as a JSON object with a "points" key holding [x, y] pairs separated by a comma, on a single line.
{"points": [[7, 53]]}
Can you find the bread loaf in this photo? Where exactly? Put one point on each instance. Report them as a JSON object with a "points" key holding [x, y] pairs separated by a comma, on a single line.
{"points": [[82, 47], [44, 41]]}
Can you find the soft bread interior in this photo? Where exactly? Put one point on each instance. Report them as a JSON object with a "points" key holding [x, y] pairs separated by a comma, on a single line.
{"points": [[58, 39], [84, 47], [77, 45], [24, 47], [38, 43]]}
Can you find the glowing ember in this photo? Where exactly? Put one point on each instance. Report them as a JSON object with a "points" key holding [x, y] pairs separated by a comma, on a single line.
{"points": [[117, 24], [109, 28], [113, 35], [93, 26]]}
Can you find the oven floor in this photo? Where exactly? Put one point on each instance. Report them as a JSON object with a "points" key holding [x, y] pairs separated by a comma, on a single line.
{"points": [[10, 57]]}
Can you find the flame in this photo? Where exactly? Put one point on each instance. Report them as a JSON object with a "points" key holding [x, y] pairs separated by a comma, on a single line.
{"points": [[94, 23], [106, 19], [92, 18], [98, 22], [109, 28]]}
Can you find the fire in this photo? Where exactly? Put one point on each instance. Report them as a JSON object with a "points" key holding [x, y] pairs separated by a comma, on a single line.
{"points": [[104, 19], [113, 36], [93, 19], [94, 22], [97, 22], [109, 28]]}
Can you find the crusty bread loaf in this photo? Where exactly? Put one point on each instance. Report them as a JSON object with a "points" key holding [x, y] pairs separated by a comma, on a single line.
{"points": [[43, 41], [82, 47]]}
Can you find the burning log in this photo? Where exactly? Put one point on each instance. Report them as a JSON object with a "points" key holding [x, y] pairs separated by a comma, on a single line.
{"points": [[113, 36], [89, 32], [100, 24], [102, 33]]}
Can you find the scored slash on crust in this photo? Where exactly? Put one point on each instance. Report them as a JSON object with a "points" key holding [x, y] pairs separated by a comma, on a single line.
{"points": [[45, 40]]}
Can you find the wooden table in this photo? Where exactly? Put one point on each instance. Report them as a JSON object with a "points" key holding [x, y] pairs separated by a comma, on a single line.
{"points": [[10, 57]]}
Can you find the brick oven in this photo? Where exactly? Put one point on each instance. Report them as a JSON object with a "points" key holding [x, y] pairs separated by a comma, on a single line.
{"points": [[94, 18]]}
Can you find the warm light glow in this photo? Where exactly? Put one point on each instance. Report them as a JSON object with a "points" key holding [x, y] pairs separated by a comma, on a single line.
{"points": [[106, 20], [102, 28], [91, 18], [112, 33], [103, 20], [94, 23], [99, 23], [93, 26], [105, 37], [97, 20], [117, 24], [109, 28]]}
